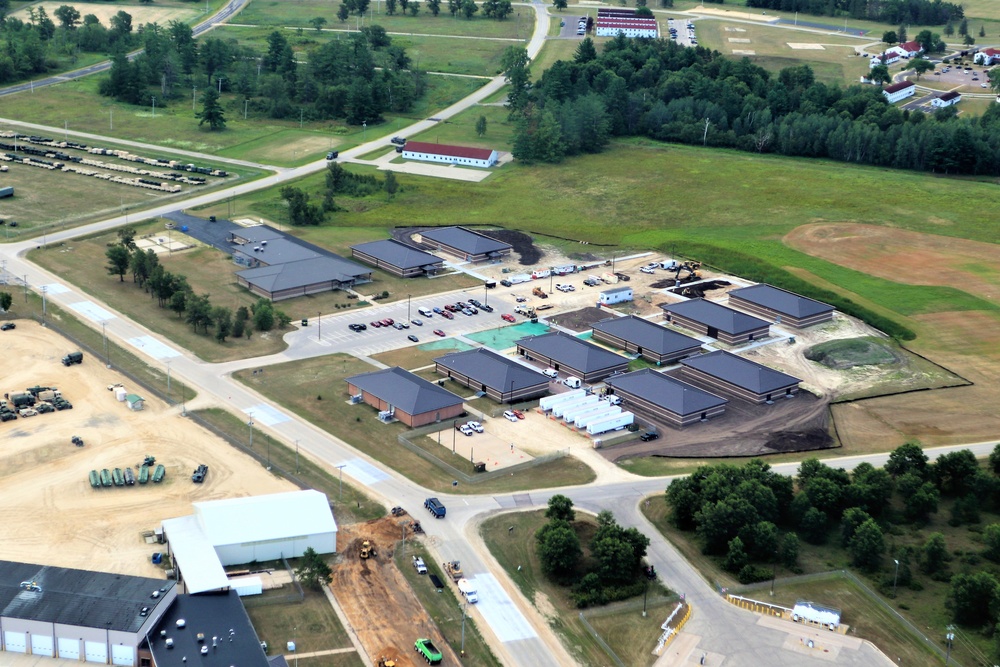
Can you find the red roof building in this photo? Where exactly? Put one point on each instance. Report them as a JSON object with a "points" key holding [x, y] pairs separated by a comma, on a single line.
{"points": [[459, 155]]}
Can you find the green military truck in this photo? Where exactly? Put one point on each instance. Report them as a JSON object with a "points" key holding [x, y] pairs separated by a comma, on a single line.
{"points": [[72, 358], [425, 647]]}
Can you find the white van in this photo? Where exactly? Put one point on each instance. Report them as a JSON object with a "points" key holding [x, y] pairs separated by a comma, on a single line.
{"points": [[572, 382], [550, 372], [426, 312]]}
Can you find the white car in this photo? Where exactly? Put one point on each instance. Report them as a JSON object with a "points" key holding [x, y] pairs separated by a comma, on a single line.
{"points": [[509, 416], [475, 426], [464, 429], [646, 269]]}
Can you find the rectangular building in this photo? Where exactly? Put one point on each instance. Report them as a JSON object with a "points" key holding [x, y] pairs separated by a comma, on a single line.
{"points": [[501, 378], [636, 335], [666, 399], [739, 377], [411, 399], [947, 99], [780, 306], [569, 354], [711, 319], [616, 295], [465, 156], [899, 91], [612, 21], [397, 258], [464, 243]]}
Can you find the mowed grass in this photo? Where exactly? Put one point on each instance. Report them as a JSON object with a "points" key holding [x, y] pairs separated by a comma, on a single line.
{"points": [[315, 390], [461, 129], [297, 13], [83, 262], [478, 57], [311, 624]]}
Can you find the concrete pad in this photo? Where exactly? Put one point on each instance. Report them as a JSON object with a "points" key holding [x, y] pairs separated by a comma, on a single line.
{"points": [[153, 347], [499, 611], [739, 52], [739, 40], [679, 650], [91, 311], [364, 472], [806, 46], [55, 288], [437, 171], [489, 447], [735, 29], [265, 414]]}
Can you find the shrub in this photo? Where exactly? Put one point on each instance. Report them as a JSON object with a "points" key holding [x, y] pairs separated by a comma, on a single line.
{"points": [[751, 574]]}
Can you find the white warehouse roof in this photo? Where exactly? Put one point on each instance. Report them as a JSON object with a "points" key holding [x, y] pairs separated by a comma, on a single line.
{"points": [[261, 518], [194, 554]]}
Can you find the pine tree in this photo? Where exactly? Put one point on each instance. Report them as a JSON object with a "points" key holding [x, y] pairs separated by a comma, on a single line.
{"points": [[212, 112]]}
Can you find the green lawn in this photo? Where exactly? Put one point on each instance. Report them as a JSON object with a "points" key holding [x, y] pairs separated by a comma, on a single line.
{"points": [[315, 390], [461, 129], [478, 57], [311, 624]]}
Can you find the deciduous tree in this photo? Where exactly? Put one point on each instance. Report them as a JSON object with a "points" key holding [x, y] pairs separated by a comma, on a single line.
{"points": [[313, 571]]}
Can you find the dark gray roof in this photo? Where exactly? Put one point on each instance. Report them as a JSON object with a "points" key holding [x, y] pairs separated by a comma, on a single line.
{"points": [[720, 317], [219, 615], [492, 369], [646, 334], [279, 277], [398, 254], [404, 390], [666, 392], [781, 301], [257, 233], [78, 597], [277, 251], [469, 242], [570, 351], [741, 372]]}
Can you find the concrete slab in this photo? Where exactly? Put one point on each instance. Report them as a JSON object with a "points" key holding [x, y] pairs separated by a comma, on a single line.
{"points": [[55, 288], [91, 311], [265, 414], [153, 347], [499, 611], [364, 472]]}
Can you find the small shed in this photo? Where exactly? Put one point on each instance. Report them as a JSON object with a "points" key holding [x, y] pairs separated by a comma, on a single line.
{"points": [[6, 192], [135, 402], [616, 295]]}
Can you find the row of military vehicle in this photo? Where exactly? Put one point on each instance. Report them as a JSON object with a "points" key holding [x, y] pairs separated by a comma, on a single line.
{"points": [[120, 477], [35, 400]]}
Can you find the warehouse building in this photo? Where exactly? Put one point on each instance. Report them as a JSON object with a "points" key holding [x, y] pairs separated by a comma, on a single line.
{"points": [[463, 243], [652, 342], [589, 362], [780, 306], [79, 615], [501, 378], [399, 394], [665, 399], [614, 21], [711, 319], [464, 156], [218, 534], [739, 377], [397, 258]]}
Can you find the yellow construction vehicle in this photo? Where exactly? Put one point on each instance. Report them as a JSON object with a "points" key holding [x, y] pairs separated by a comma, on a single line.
{"points": [[367, 550]]}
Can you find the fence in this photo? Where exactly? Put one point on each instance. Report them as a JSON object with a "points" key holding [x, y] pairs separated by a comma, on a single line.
{"points": [[295, 595], [619, 608]]}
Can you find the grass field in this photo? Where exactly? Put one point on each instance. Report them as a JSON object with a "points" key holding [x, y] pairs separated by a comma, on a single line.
{"points": [[296, 13], [315, 390], [311, 624], [515, 552], [461, 129]]}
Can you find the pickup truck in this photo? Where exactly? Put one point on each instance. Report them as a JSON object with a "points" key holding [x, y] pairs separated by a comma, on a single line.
{"points": [[419, 566], [435, 507], [427, 650]]}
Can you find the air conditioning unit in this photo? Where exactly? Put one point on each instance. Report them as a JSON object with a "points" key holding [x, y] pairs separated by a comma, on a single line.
{"points": [[357, 398]]}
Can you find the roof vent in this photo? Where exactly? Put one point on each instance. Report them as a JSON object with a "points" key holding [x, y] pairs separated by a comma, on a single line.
{"points": [[263, 242], [214, 640], [204, 650], [169, 642], [181, 623], [163, 633], [200, 637]]}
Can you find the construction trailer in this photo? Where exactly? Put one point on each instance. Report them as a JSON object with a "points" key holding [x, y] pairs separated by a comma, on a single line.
{"points": [[615, 423], [548, 402]]}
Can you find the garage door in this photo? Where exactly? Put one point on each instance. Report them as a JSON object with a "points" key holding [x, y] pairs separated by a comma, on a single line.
{"points": [[69, 648], [96, 652], [122, 655], [15, 642], [41, 645]]}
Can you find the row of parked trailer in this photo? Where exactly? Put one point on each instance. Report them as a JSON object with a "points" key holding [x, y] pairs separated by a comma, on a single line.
{"points": [[125, 477], [588, 411]]}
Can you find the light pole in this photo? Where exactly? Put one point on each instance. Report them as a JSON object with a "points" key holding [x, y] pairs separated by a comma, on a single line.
{"points": [[194, 96], [364, 130], [319, 327], [250, 424], [44, 312], [220, 84], [245, 103], [104, 334], [895, 577], [465, 606], [154, 105], [341, 467], [168, 379], [296, 457], [950, 637]]}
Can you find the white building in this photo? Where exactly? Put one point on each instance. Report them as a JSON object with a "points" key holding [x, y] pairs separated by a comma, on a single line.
{"points": [[612, 21], [241, 530], [457, 155], [910, 49], [899, 91], [987, 57], [616, 295], [946, 100]]}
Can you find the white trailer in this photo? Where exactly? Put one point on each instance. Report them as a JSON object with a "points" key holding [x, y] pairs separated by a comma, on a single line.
{"points": [[810, 611], [585, 420], [572, 415], [468, 589], [519, 278], [615, 423], [548, 402], [563, 408]]}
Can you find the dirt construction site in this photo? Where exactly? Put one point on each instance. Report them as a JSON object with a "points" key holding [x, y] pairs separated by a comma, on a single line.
{"points": [[52, 515], [366, 588]]}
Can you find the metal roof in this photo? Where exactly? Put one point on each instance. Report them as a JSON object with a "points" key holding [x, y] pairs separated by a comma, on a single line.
{"points": [[194, 554], [714, 315], [449, 151], [77, 597], [469, 242], [492, 369], [277, 251], [646, 334], [275, 516], [398, 254], [223, 621], [781, 301], [570, 351], [278, 277], [404, 390], [617, 290], [741, 372], [667, 392]]}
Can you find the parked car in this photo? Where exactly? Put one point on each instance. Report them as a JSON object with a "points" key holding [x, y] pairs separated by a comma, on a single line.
{"points": [[475, 426], [488, 308], [475, 303], [646, 269], [398, 326], [419, 566], [376, 324], [388, 321], [506, 283], [507, 317], [463, 429], [438, 332], [332, 155], [550, 372], [403, 324], [649, 435], [413, 338], [356, 327], [447, 315], [7, 326], [510, 416], [417, 323], [437, 310], [518, 414], [520, 299], [399, 141]]}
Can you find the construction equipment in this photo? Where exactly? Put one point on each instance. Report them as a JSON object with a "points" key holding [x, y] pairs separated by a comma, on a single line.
{"points": [[540, 293], [691, 268], [453, 569], [72, 358], [367, 550], [398, 511], [77, 440], [425, 647], [385, 662], [199, 474], [31, 586], [417, 528]]}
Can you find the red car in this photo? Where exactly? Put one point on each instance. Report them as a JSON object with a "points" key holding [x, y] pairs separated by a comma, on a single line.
{"points": [[439, 332], [518, 414], [376, 324], [507, 317], [447, 315], [388, 322]]}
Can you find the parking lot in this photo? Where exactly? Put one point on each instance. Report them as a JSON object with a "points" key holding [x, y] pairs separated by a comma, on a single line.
{"points": [[682, 31], [570, 27], [967, 79]]}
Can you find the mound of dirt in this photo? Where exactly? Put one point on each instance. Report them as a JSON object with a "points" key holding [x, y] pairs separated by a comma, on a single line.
{"points": [[852, 352], [527, 252], [581, 320], [698, 291], [799, 441]]}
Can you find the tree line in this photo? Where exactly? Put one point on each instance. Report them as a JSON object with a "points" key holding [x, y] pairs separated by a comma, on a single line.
{"points": [[173, 291], [664, 91], [356, 79], [494, 9], [918, 12], [751, 519], [303, 212], [33, 47]]}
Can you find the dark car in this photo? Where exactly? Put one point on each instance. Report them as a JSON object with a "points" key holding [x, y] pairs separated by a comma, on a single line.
{"points": [[506, 283], [399, 141], [488, 308], [7, 326], [357, 327], [332, 155], [649, 435], [413, 338]]}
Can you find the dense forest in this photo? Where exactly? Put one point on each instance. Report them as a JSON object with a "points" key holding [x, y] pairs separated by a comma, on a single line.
{"points": [[661, 90], [33, 47], [896, 12], [357, 79]]}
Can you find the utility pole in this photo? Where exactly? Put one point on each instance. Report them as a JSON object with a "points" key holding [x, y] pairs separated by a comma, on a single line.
{"points": [[44, 313], [194, 91], [154, 105], [319, 327], [296, 457], [168, 378], [250, 424], [341, 467]]}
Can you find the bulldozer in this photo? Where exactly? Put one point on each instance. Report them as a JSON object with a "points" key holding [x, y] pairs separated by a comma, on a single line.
{"points": [[367, 550], [453, 569], [385, 662]]}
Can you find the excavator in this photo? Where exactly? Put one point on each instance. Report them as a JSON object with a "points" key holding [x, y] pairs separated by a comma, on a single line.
{"points": [[691, 268]]}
